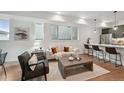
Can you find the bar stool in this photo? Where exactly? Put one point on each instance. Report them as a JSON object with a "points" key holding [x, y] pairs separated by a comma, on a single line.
{"points": [[98, 51], [89, 49], [112, 51]]}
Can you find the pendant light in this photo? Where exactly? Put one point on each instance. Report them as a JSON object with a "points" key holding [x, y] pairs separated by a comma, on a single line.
{"points": [[94, 25], [115, 25]]}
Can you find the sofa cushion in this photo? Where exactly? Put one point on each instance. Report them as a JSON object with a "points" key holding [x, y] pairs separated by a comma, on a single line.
{"points": [[66, 49], [62, 54], [60, 51], [54, 50], [33, 60]]}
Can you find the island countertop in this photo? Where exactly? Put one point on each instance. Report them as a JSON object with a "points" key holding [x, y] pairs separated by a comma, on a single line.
{"points": [[120, 49], [107, 45]]}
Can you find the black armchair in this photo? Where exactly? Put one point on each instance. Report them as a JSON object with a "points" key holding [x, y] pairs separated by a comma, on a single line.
{"points": [[0, 51], [42, 67]]}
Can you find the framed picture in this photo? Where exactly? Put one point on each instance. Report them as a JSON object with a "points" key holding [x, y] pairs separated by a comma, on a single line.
{"points": [[21, 33]]}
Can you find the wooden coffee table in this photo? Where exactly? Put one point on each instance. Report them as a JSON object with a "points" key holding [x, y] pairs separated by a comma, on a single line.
{"points": [[65, 66]]}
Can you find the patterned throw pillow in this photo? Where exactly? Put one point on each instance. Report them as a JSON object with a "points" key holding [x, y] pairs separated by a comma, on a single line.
{"points": [[33, 60]]}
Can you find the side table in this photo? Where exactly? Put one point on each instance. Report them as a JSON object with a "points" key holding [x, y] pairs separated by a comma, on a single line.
{"points": [[40, 54]]}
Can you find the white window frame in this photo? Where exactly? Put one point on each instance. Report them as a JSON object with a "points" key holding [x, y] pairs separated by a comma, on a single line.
{"points": [[2, 18], [36, 38], [65, 26]]}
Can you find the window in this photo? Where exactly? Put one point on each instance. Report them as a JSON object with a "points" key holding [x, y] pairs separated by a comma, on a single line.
{"points": [[64, 32], [74, 33], [4, 29], [54, 31], [39, 33]]}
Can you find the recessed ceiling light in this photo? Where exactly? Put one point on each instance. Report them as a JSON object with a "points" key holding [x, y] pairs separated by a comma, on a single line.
{"points": [[95, 31], [82, 17], [81, 21], [103, 24], [58, 13], [57, 18]]}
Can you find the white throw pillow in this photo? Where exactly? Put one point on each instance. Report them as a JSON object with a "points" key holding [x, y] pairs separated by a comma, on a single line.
{"points": [[33, 60], [70, 48]]}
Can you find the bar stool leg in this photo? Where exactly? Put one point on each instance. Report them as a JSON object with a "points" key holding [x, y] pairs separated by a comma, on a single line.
{"points": [[120, 59], [92, 52], [109, 57], [116, 60], [105, 58], [98, 55], [88, 52], [102, 55]]}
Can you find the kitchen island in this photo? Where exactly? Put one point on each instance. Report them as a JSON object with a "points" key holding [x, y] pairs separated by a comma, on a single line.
{"points": [[108, 45], [119, 48]]}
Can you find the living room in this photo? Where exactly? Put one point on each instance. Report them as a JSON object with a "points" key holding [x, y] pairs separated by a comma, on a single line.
{"points": [[50, 36], [62, 46], [29, 22]]}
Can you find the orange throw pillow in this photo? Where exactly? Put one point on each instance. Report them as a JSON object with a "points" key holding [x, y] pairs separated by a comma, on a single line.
{"points": [[54, 50], [66, 49]]}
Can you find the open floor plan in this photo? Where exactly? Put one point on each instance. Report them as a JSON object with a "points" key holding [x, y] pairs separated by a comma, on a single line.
{"points": [[61, 45]]}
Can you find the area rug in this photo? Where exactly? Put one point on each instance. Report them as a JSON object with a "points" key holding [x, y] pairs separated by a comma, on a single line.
{"points": [[55, 74]]}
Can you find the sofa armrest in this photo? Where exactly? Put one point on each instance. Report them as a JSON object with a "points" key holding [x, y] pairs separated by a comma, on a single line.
{"points": [[48, 52], [76, 50]]}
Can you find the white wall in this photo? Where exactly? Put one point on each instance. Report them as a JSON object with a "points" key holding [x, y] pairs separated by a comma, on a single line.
{"points": [[14, 48], [84, 32]]}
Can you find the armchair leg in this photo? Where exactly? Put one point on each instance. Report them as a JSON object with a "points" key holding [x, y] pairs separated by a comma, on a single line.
{"points": [[45, 77], [22, 79], [44, 71]]}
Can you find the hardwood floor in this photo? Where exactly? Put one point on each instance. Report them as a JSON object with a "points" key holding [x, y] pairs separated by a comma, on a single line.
{"points": [[13, 72], [115, 74]]}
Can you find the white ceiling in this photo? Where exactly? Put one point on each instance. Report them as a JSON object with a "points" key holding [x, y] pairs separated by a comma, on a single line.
{"points": [[101, 16]]}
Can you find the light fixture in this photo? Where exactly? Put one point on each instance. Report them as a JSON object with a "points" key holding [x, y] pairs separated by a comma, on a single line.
{"points": [[81, 21], [58, 13], [115, 25], [58, 18], [94, 25], [83, 17]]}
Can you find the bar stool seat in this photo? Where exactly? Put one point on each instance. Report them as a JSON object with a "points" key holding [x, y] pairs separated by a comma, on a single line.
{"points": [[89, 49], [98, 50], [112, 51]]}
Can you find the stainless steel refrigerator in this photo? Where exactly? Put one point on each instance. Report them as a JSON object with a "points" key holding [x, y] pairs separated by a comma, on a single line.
{"points": [[105, 38]]}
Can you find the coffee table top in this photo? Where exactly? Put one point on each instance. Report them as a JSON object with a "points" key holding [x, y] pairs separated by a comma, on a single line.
{"points": [[65, 61]]}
